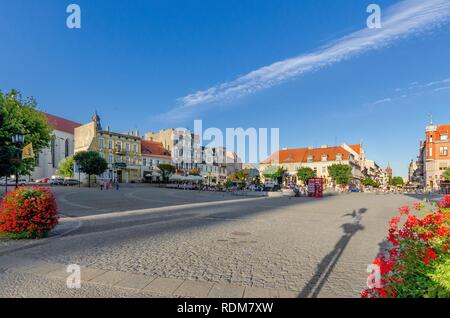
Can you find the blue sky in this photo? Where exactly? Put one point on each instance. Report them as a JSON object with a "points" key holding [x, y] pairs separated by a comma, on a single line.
{"points": [[139, 62]]}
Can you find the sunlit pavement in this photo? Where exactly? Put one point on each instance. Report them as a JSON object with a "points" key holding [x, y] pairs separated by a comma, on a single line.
{"points": [[188, 243]]}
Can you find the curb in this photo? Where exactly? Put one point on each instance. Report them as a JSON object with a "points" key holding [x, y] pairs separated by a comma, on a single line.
{"points": [[51, 237]]}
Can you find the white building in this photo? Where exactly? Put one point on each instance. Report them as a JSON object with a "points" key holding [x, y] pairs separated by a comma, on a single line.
{"points": [[153, 154], [61, 147]]}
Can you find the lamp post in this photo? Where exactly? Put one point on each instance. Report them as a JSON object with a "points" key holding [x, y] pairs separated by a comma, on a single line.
{"points": [[18, 139]]}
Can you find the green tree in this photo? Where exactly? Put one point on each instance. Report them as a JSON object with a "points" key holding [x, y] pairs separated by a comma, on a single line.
{"points": [[228, 184], [166, 170], [274, 173], [397, 181], [90, 163], [305, 173], [18, 115], [241, 175], [447, 174], [65, 168], [340, 173], [368, 182]]}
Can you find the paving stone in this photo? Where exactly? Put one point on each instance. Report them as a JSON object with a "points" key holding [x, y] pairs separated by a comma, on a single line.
{"points": [[60, 273], [135, 281], [30, 266], [282, 293], [109, 278], [88, 273], [14, 263], [192, 288], [164, 286], [258, 292], [220, 290], [45, 268]]}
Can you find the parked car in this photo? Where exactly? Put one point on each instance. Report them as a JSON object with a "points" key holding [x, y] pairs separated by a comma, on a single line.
{"points": [[57, 181], [71, 182], [254, 187], [45, 180], [12, 182]]}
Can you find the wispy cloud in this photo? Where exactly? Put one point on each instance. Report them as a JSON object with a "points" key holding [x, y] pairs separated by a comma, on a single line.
{"points": [[415, 89], [381, 101], [404, 19]]}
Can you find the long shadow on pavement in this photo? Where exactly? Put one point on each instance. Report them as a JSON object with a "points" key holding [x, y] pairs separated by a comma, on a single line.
{"points": [[326, 266]]}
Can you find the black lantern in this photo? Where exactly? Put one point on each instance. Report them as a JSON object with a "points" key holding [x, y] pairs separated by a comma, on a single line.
{"points": [[18, 139]]}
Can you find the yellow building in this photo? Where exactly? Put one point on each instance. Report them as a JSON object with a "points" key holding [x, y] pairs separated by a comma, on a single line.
{"points": [[122, 151]]}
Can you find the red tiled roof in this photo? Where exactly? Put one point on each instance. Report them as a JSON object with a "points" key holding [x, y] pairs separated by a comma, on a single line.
{"points": [[154, 149], [62, 124], [302, 154]]}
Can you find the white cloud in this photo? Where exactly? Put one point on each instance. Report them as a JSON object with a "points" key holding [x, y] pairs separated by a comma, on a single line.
{"points": [[406, 18], [441, 88], [381, 101]]}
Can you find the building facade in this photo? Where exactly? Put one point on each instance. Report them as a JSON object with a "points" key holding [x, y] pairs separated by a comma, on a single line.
{"points": [[61, 147], [318, 159], [122, 151], [436, 155], [153, 154]]}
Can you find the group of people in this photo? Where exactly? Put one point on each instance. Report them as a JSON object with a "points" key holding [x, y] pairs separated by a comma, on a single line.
{"points": [[108, 185]]}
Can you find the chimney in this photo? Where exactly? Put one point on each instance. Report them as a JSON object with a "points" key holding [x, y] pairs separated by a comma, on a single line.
{"points": [[324, 146]]}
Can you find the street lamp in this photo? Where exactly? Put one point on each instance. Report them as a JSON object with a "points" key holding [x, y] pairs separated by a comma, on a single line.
{"points": [[18, 139]]}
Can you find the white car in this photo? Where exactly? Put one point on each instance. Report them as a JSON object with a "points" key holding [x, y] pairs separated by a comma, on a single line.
{"points": [[12, 182]]}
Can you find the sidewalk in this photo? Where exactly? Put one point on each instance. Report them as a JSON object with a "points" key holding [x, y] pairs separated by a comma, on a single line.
{"points": [[149, 285]]}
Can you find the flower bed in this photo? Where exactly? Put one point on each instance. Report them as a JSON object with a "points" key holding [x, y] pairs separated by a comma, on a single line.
{"points": [[418, 261], [28, 213]]}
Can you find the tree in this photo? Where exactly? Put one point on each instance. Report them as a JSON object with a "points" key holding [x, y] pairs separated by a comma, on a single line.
{"points": [[305, 173], [447, 174], [241, 175], [65, 168], [368, 182], [166, 170], [397, 181], [274, 173], [18, 115], [90, 163], [340, 173], [194, 172], [228, 184]]}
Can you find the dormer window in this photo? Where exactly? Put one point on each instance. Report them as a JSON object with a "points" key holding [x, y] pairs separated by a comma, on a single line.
{"points": [[310, 158], [339, 157], [324, 158], [444, 136]]}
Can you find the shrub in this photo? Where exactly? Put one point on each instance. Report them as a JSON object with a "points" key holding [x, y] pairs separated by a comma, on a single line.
{"points": [[28, 213], [418, 261]]}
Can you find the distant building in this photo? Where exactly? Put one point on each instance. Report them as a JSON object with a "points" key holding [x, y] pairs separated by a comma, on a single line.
{"points": [[318, 159], [436, 154], [389, 173], [153, 154], [122, 151], [61, 147]]}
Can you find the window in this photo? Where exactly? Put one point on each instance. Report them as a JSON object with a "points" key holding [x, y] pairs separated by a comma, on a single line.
{"points": [[66, 148], [324, 170], [127, 147], [119, 159], [431, 138], [135, 147], [443, 151], [324, 158], [144, 162], [110, 143], [444, 136], [119, 146], [100, 143], [339, 157], [127, 161], [102, 155], [110, 158], [430, 152], [53, 151], [310, 158]]}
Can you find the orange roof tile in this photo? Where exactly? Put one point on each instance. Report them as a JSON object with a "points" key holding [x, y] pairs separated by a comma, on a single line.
{"points": [[302, 154], [154, 149], [61, 124]]}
